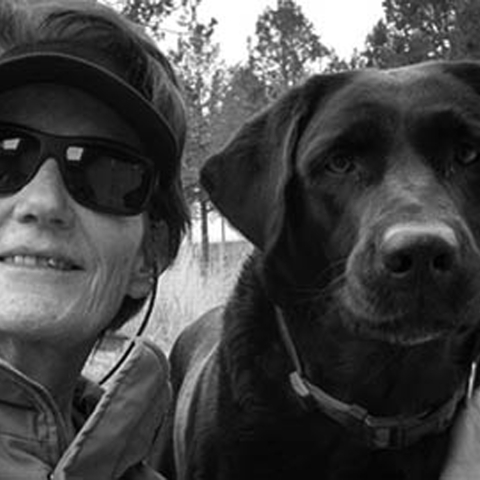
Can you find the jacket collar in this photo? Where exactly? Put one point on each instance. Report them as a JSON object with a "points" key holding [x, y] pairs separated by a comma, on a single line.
{"points": [[126, 420], [123, 420]]}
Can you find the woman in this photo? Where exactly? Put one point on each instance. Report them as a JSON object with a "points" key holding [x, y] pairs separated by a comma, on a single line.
{"points": [[91, 132]]}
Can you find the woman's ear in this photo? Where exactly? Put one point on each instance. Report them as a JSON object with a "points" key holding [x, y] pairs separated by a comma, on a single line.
{"points": [[151, 261], [141, 279]]}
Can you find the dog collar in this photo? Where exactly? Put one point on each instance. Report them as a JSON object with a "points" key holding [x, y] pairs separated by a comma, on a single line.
{"points": [[393, 432]]}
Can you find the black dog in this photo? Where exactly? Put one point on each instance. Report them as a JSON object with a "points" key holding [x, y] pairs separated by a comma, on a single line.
{"points": [[347, 347]]}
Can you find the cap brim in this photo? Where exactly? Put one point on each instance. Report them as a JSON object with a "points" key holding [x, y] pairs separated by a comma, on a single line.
{"points": [[64, 69]]}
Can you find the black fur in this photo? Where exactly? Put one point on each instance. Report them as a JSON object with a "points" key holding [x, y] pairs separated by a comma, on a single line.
{"points": [[360, 193]]}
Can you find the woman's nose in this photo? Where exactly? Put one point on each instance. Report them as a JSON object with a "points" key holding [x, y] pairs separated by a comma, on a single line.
{"points": [[45, 199]]}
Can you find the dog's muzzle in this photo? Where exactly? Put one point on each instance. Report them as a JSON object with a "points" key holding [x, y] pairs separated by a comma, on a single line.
{"points": [[411, 281]]}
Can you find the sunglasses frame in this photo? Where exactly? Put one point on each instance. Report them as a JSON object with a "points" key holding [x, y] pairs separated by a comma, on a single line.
{"points": [[56, 146]]}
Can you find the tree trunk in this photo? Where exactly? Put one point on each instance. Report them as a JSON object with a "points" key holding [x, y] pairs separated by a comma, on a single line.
{"points": [[223, 243], [205, 256]]}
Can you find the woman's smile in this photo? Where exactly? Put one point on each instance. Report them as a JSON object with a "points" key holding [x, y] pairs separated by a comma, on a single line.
{"points": [[35, 261]]}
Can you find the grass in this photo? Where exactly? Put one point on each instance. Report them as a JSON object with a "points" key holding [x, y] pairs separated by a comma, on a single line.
{"points": [[184, 294]]}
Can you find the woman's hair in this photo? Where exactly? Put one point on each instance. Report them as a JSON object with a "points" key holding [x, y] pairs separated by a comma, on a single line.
{"points": [[87, 24]]}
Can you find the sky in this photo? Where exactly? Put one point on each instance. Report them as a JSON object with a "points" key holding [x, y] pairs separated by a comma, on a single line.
{"points": [[341, 24]]}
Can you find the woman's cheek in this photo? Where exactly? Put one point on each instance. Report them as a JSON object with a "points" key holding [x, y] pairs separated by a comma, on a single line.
{"points": [[102, 297]]}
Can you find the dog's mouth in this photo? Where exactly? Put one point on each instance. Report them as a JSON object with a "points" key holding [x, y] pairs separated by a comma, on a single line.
{"points": [[396, 333], [396, 320]]}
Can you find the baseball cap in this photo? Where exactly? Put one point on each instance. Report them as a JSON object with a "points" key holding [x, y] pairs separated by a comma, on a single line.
{"points": [[101, 76]]}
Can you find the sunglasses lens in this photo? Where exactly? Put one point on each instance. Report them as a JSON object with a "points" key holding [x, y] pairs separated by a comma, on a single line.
{"points": [[100, 176], [108, 180], [18, 159]]}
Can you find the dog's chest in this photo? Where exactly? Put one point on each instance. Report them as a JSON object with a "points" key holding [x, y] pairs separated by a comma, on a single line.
{"points": [[287, 451]]}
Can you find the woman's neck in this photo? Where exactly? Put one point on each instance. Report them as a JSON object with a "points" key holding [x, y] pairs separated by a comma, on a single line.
{"points": [[50, 365]]}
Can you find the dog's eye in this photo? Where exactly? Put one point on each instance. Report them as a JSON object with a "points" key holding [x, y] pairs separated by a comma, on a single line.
{"points": [[467, 153], [340, 164]]}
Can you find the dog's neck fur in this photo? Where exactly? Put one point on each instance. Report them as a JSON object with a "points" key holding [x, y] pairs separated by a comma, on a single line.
{"points": [[384, 378]]}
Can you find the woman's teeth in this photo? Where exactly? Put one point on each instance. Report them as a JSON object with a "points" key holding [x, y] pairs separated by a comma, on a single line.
{"points": [[39, 262]]}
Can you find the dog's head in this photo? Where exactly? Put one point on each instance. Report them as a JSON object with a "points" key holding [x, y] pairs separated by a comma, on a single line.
{"points": [[366, 185]]}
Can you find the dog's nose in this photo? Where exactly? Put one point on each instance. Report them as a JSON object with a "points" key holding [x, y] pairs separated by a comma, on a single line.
{"points": [[410, 250]]}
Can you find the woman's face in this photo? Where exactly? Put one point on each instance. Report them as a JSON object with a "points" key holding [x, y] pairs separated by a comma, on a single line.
{"points": [[64, 269]]}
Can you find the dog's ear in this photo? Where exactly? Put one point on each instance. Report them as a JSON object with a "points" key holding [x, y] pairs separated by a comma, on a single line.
{"points": [[246, 179]]}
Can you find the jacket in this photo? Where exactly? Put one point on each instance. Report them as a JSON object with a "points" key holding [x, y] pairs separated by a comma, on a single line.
{"points": [[117, 428]]}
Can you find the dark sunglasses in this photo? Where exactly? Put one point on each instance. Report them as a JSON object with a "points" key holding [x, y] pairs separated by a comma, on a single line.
{"points": [[99, 174]]}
